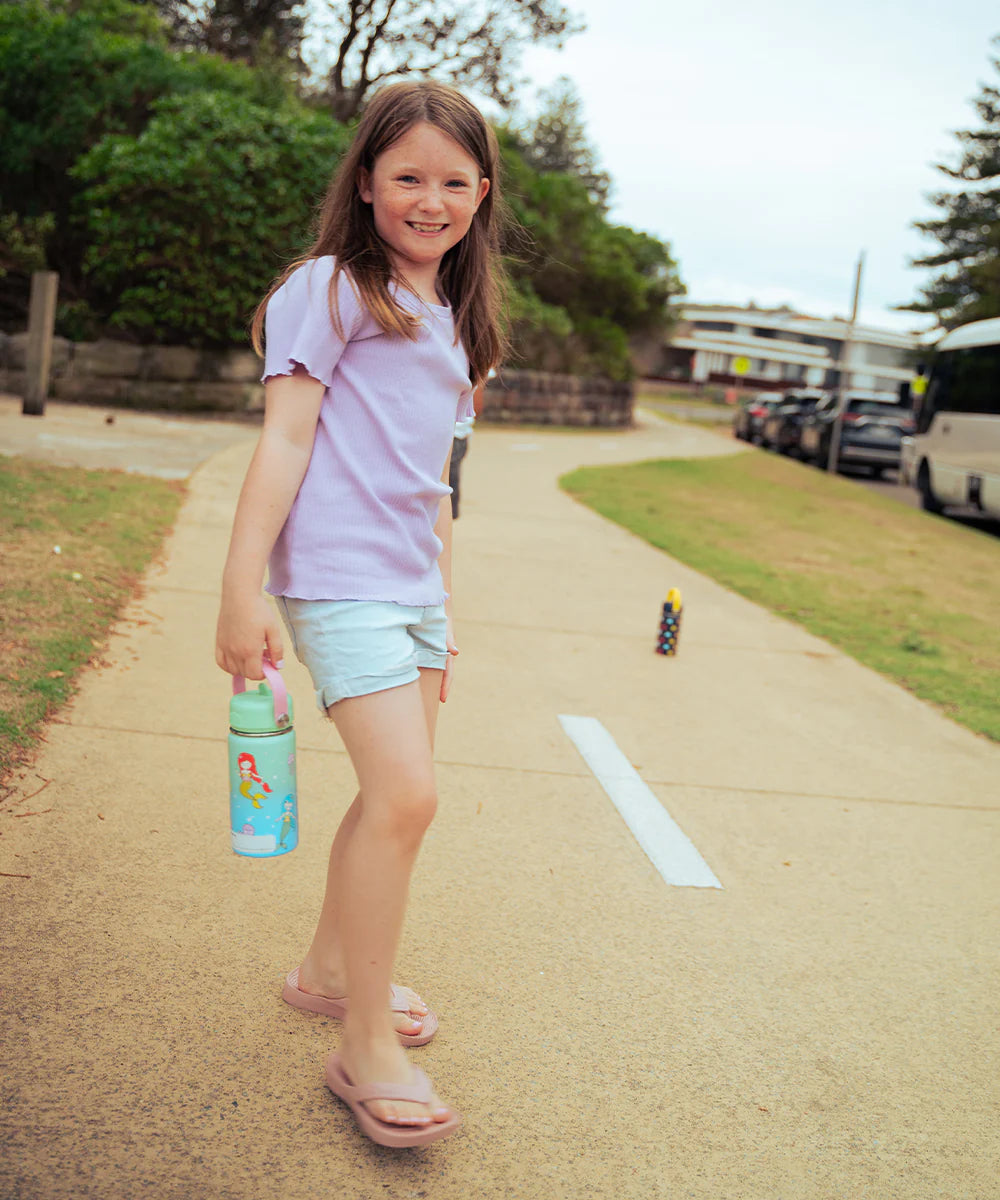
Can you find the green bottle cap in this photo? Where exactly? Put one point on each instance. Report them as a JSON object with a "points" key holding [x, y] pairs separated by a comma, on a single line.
{"points": [[253, 712]]}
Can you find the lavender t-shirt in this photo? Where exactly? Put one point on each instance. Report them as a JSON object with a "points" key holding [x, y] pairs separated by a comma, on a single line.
{"points": [[362, 524]]}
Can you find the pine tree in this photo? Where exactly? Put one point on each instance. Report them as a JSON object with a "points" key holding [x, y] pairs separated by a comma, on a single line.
{"points": [[557, 141], [968, 286]]}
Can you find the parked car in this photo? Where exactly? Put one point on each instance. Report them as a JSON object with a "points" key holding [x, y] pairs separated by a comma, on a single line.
{"points": [[782, 424], [749, 416], [872, 427]]}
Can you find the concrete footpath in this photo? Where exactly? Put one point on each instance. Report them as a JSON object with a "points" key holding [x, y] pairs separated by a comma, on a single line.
{"points": [[822, 1026]]}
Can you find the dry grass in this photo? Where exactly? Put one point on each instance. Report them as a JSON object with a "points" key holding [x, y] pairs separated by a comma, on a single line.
{"points": [[73, 547]]}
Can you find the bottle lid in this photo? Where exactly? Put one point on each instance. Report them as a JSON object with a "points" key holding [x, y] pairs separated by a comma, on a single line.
{"points": [[253, 712]]}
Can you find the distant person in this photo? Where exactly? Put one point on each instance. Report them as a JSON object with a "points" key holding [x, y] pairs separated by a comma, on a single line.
{"points": [[460, 447], [376, 342]]}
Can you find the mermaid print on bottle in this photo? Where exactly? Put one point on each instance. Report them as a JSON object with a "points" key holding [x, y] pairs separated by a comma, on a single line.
{"points": [[251, 784], [262, 790]]}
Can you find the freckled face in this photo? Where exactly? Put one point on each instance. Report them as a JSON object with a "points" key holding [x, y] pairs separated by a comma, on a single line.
{"points": [[424, 191]]}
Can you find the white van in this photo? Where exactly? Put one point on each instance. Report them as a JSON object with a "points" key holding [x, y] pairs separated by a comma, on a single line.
{"points": [[954, 456]]}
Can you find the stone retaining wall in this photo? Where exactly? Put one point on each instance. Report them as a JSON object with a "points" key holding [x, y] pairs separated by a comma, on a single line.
{"points": [[541, 398], [145, 377], [177, 378]]}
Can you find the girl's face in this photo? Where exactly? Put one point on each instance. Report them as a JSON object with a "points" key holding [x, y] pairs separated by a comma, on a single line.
{"points": [[424, 191]]}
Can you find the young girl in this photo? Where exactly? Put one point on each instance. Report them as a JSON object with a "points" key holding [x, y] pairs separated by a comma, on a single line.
{"points": [[374, 345]]}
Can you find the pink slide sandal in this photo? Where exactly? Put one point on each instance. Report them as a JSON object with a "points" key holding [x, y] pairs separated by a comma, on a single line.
{"points": [[292, 994], [382, 1132]]}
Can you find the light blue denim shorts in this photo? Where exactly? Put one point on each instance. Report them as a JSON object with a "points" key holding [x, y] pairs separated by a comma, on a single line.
{"points": [[356, 647]]}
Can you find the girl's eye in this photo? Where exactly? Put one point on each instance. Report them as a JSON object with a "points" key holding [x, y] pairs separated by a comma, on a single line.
{"points": [[457, 183]]}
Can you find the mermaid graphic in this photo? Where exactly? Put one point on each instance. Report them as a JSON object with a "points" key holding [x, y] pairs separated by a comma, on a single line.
{"points": [[251, 785], [287, 820]]}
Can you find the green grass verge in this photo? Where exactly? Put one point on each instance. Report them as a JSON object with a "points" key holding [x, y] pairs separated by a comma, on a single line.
{"points": [[685, 408], [56, 607], [910, 595], [667, 400]]}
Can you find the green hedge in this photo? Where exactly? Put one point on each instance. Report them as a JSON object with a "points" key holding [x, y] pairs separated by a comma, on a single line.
{"points": [[186, 223]]}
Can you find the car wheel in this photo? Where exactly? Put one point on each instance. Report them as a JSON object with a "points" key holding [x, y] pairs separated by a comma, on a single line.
{"points": [[928, 501]]}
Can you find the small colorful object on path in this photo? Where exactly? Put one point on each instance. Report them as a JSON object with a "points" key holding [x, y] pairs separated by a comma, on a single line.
{"points": [[670, 623]]}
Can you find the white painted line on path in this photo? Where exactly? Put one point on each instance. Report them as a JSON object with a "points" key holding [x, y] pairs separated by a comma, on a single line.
{"points": [[669, 848]]}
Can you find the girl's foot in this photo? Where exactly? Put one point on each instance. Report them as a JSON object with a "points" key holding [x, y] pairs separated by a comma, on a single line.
{"points": [[408, 1022], [384, 1062]]}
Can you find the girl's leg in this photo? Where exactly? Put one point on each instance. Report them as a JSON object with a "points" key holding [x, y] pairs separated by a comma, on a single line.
{"points": [[389, 738], [323, 972]]}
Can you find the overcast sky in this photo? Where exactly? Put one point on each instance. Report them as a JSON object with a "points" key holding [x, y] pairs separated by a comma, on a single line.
{"points": [[771, 142]]}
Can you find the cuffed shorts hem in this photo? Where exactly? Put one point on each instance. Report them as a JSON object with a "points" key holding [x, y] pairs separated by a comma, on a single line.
{"points": [[390, 642], [365, 685]]}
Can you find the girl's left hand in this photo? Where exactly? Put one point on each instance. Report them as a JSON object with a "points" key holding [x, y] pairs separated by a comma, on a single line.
{"points": [[449, 666]]}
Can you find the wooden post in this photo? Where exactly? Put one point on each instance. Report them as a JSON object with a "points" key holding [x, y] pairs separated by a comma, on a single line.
{"points": [[41, 322]]}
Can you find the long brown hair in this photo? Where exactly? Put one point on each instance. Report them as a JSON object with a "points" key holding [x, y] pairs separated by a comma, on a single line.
{"points": [[470, 275]]}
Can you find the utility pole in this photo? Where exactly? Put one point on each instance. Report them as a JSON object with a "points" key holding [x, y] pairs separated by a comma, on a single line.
{"points": [[845, 349]]}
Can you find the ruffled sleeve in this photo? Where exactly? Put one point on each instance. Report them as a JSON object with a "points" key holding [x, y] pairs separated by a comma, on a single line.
{"points": [[298, 327], [466, 406]]}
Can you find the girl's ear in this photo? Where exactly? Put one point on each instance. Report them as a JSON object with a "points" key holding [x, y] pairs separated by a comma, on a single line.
{"points": [[484, 187], [365, 185]]}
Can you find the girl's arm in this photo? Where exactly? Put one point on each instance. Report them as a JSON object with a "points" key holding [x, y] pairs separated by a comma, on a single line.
{"points": [[248, 625], [442, 527]]}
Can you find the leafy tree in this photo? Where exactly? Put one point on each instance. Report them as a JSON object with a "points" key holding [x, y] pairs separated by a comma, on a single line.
{"points": [[187, 223], [607, 281], [252, 31], [65, 77], [968, 286], [364, 43], [475, 44], [72, 71], [23, 243], [557, 140]]}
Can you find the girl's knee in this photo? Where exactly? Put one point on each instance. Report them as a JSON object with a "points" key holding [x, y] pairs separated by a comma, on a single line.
{"points": [[406, 814]]}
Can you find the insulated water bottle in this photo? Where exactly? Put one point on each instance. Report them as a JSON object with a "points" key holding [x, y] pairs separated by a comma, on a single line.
{"points": [[670, 624], [263, 806]]}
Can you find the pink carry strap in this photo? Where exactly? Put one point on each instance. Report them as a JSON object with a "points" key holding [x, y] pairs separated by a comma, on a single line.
{"points": [[278, 691]]}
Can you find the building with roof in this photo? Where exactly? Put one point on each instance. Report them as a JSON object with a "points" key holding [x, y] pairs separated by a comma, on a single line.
{"points": [[779, 349]]}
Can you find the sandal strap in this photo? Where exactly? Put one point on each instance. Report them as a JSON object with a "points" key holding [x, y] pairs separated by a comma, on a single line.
{"points": [[419, 1092], [397, 997]]}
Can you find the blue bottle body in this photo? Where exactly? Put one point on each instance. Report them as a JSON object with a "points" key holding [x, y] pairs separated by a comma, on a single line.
{"points": [[263, 799]]}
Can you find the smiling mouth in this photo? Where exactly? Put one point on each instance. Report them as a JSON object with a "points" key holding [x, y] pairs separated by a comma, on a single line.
{"points": [[422, 228]]}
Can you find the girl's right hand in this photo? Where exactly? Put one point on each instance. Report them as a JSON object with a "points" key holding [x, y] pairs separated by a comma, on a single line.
{"points": [[248, 630]]}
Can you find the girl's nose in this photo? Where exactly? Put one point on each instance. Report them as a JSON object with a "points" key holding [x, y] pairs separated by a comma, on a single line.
{"points": [[430, 200]]}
